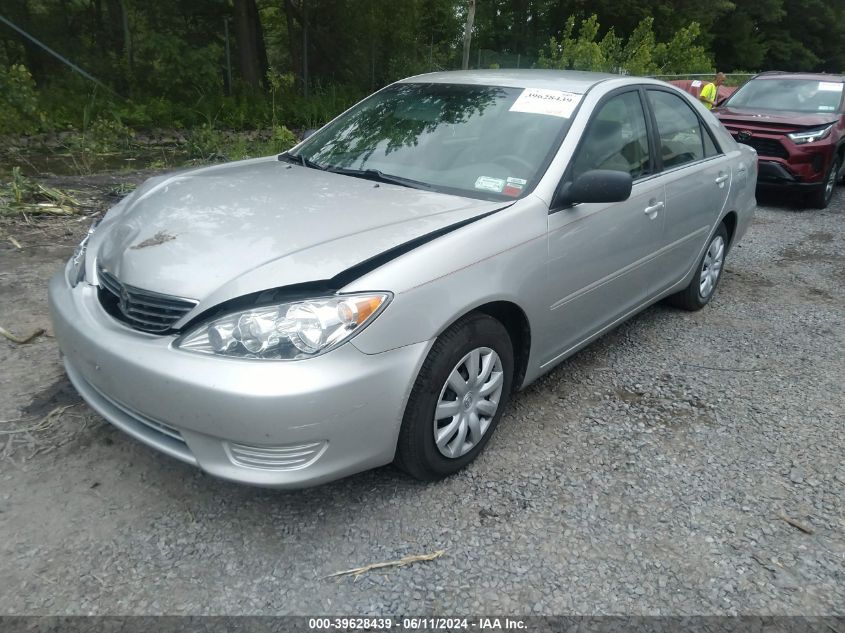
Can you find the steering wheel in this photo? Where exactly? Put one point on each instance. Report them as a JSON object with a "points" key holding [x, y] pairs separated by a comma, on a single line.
{"points": [[514, 160]]}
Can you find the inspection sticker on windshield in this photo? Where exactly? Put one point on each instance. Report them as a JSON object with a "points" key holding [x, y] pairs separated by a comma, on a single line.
{"points": [[490, 184], [829, 86], [514, 186], [549, 102]]}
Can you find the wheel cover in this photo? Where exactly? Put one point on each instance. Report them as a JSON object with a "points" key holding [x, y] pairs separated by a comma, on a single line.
{"points": [[468, 402], [711, 267]]}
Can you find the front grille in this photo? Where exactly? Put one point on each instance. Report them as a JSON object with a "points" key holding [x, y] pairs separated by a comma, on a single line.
{"points": [[141, 309], [275, 457], [766, 146]]}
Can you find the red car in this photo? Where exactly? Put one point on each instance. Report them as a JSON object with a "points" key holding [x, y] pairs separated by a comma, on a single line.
{"points": [[796, 122], [694, 87]]}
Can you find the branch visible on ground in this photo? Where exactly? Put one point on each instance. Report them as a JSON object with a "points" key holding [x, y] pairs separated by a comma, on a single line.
{"points": [[21, 340], [798, 526], [407, 560], [45, 423], [15, 243], [725, 368]]}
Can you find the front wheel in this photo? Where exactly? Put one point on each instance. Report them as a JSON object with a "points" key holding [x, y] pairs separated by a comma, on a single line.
{"points": [[823, 195], [457, 399], [709, 272]]}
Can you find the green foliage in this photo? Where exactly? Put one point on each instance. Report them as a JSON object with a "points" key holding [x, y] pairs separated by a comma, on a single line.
{"points": [[639, 55], [282, 139], [682, 53], [106, 135], [22, 195], [19, 107], [204, 142], [167, 61]]}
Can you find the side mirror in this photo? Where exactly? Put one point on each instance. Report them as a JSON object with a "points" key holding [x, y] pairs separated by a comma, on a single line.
{"points": [[597, 185], [309, 132]]}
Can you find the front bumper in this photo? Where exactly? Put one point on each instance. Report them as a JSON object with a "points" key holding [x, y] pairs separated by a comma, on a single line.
{"points": [[775, 174], [274, 423]]}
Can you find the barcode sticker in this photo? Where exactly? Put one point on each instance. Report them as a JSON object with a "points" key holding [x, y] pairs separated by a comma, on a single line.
{"points": [[548, 102]]}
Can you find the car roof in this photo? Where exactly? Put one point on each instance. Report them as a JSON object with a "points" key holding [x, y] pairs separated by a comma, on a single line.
{"points": [[776, 74], [569, 80]]}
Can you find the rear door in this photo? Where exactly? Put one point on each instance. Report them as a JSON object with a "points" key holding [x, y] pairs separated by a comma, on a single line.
{"points": [[697, 176]]}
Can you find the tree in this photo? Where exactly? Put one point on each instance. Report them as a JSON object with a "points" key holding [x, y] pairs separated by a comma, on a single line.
{"points": [[468, 33], [639, 55], [252, 56]]}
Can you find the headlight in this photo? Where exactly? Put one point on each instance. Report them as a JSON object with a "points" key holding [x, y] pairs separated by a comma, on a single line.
{"points": [[288, 331], [77, 261], [810, 136]]}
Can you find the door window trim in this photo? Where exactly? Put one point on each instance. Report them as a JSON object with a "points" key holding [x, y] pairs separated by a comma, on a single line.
{"points": [[652, 156], [701, 123]]}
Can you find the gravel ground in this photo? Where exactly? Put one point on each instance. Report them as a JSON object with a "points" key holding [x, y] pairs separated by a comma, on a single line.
{"points": [[683, 464]]}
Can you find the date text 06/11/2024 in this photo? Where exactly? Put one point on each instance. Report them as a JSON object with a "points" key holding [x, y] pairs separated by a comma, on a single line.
{"points": [[374, 624]]}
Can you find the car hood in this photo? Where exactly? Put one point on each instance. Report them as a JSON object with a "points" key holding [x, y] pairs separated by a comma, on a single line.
{"points": [[780, 119], [219, 232]]}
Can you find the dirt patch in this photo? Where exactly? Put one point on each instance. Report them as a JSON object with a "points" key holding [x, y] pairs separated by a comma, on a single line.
{"points": [[60, 394], [159, 238], [821, 237], [793, 254]]}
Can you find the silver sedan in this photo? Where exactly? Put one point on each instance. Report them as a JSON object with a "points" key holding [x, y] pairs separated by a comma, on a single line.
{"points": [[377, 293]]}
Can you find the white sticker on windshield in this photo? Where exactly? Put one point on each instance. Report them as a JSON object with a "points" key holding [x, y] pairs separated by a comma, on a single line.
{"points": [[490, 184], [548, 102], [830, 86]]}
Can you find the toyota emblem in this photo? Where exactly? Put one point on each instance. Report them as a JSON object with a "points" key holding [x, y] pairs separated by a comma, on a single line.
{"points": [[743, 136]]}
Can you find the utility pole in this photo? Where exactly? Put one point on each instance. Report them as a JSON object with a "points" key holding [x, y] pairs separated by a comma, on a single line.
{"points": [[468, 33]]}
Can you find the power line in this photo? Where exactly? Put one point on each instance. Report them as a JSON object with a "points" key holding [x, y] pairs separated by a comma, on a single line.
{"points": [[57, 55]]}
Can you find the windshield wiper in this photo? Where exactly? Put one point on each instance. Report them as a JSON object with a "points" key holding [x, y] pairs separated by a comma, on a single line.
{"points": [[380, 176], [299, 159]]}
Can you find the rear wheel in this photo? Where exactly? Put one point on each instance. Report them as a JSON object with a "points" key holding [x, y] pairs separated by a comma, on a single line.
{"points": [[822, 196], [457, 399], [709, 272]]}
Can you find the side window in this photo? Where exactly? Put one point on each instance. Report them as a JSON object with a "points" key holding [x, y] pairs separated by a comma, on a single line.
{"points": [[681, 138], [615, 139]]}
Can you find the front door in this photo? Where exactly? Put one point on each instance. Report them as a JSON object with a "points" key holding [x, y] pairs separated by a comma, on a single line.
{"points": [[598, 266]]}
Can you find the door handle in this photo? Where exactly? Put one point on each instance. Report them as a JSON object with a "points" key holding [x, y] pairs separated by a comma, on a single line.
{"points": [[652, 210], [721, 179]]}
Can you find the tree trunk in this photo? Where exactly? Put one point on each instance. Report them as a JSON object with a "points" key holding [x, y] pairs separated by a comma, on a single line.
{"points": [[252, 56], [294, 42], [468, 33]]}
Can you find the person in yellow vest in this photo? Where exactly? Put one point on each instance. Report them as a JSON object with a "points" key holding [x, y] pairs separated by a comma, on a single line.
{"points": [[710, 91]]}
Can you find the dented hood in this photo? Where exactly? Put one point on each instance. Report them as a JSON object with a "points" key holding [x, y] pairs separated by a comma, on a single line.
{"points": [[219, 232]]}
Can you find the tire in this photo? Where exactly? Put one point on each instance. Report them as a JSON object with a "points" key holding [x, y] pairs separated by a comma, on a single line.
{"points": [[700, 291], [417, 452], [822, 196]]}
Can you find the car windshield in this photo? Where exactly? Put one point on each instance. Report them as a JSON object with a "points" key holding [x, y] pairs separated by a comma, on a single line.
{"points": [[793, 95], [487, 142]]}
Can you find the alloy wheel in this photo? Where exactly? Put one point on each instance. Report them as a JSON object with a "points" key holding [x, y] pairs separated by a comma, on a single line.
{"points": [[711, 267]]}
